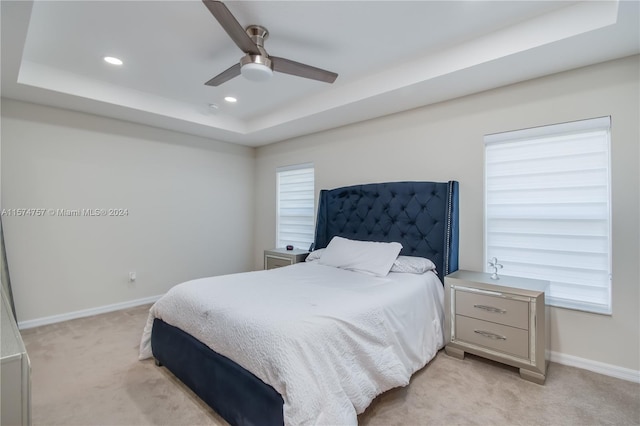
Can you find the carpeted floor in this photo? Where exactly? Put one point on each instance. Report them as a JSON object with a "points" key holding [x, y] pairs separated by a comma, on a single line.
{"points": [[86, 372]]}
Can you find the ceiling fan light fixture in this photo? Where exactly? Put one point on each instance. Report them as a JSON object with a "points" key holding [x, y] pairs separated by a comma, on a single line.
{"points": [[256, 72], [256, 68]]}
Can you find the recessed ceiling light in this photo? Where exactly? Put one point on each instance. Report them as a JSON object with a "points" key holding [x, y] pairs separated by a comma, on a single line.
{"points": [[113, 61], [230, 99]]}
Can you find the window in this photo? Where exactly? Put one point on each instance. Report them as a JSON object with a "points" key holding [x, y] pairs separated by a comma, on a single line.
{"points": [[548, 209], [295, 206]]}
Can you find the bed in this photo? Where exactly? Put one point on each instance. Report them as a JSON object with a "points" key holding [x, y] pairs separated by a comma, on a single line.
{"points": [[368, 333]]}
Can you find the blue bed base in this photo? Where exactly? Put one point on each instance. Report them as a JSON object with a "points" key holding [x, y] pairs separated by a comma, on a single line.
{"points": [[233, 392], [422, 216]]}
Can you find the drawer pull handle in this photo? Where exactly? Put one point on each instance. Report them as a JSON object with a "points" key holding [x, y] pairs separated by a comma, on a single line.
{"points": [[490, 309], [490, 335]]}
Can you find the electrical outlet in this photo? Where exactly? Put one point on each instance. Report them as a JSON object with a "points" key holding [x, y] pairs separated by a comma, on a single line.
{"points": [[132, 276]]}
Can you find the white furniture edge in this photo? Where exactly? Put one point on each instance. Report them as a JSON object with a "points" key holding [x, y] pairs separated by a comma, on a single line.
{"points": [[611, 370], [23, 325], [16, 370]]}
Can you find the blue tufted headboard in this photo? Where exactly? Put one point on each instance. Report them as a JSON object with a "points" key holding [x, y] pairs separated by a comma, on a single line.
{"points": [[422, 216]]}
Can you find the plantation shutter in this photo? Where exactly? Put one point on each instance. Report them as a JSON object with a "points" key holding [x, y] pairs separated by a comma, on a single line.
{"points": [[295, 204], [548, 211]]}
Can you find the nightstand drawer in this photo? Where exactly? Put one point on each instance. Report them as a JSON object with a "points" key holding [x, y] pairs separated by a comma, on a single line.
{"points": [[509, 340], [276, 262], [514, 313]]}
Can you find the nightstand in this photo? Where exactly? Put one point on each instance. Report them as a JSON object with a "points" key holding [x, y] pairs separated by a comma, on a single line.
{"points": [[279, 257], [504, 320]]}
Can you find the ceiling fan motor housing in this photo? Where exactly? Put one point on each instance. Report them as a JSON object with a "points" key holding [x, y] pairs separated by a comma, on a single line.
{"points": [[257, 67], [258, 34]]}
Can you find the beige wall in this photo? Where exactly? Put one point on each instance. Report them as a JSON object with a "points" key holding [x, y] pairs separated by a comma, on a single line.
{"points": [[445, 141], [190, 208], [192, 201]]}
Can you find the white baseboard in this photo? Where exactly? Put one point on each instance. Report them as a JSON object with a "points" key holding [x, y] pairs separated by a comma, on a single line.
{"points": [[596, 366], [23, 325]]}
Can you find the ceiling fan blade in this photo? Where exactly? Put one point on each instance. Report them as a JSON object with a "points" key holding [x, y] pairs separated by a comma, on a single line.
{"points": [[231, 26], [288, 66], [224, 76]]}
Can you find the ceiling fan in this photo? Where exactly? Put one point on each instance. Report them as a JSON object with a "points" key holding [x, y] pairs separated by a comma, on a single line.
{"points": [[257, 64]]}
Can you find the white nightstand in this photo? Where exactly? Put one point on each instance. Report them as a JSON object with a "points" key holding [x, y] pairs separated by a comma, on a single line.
{"points": [[504, 320], [279, 257]]}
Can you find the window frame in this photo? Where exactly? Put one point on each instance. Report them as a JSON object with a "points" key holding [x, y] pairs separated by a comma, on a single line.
{"points": [[557, 130], [294, 167]]}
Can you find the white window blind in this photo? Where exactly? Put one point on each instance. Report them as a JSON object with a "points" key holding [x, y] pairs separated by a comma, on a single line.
{"points": [[548, 209], [295, 204]]}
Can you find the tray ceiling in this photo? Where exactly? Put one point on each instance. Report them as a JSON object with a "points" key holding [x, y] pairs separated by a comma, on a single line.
{"points": [[390, 56]]}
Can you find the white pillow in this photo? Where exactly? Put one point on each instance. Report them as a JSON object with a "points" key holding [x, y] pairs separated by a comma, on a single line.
{"points": [[362, 256], [314, 255], [413, 265]]}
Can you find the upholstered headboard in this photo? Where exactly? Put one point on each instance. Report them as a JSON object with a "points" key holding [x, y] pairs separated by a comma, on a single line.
{"points": [[422, 216]]}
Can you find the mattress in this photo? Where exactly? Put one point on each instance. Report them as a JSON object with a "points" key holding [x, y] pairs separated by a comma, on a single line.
{"points": [[327, 339]]}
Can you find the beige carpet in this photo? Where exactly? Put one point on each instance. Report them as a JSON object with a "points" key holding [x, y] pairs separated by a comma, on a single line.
{"points": [[86, 372]]}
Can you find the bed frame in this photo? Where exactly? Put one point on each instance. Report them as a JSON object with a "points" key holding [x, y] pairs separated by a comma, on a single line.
{"points": [[422, 216]]}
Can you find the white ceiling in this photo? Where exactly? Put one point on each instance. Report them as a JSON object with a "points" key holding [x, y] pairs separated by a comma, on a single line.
{"points": [[390, 56]]}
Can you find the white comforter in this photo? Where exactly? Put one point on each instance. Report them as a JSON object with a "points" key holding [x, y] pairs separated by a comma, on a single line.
{"points": [[328, 340]]}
